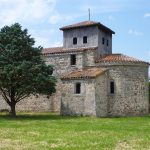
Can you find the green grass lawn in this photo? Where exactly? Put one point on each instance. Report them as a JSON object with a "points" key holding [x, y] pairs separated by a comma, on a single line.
{"points": [[44, 131]]}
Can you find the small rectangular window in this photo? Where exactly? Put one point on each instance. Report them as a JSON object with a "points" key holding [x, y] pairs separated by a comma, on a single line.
{"points": [[77, 88], [112, 87], [85, 39], [73, 59], [107, 42], [74, 41], [103, 40]]}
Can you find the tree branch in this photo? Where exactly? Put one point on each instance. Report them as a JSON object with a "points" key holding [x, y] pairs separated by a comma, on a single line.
{"points": [[22, 97], [5, 96]]}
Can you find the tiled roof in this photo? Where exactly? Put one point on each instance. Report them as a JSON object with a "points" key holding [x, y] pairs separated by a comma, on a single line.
{"points": [[51, 50], [54, 50], [118, 58], [85, 73], [87, 24]]}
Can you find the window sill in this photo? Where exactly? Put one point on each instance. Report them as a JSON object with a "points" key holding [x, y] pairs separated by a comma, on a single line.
{"points": [[78, 94], [72, 65], [111, 94]]}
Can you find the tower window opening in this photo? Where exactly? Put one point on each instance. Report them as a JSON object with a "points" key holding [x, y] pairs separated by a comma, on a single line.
{"points": [[107, 42], [85, 39], [103, 40], [74, 41]]}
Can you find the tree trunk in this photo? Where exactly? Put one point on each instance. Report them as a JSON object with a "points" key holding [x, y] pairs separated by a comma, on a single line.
{"points": [[13, 110], [13, 104]]}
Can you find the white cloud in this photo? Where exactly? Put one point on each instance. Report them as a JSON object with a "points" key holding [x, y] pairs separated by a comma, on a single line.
{"points": [[57, 17], [32, 11], [42, 41], [42, 37], [25, 10], [135, 33], [146, 15], [33, 14], [56, 44]]}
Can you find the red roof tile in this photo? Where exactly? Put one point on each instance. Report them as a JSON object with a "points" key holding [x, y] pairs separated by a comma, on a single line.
{"points": [[54, 50], [87, 24], [85, 73], [118, 58], [51, 50]]}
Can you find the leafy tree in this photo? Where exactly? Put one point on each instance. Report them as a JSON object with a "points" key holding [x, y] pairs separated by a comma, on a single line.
{"points": [[23, 72], [149, 89]]}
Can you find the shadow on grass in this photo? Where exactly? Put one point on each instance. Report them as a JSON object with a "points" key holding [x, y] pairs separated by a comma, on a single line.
{"points": [[36, 116], [53, 116]]}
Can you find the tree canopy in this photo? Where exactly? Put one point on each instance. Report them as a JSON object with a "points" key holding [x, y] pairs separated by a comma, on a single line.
{"points": [[23, 71]]}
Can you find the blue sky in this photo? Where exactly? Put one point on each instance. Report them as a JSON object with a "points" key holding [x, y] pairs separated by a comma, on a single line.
{"points": [[130, 19]]}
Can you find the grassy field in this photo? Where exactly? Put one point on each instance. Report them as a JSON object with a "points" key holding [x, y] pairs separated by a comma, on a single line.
{"points": [[48, 131]]}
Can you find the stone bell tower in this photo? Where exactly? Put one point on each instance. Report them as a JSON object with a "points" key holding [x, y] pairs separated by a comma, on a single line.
{"points": [[88, 34]]}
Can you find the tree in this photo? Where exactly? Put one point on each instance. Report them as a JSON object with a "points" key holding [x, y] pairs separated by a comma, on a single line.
{"points": [[149, 89], [23, 72]]}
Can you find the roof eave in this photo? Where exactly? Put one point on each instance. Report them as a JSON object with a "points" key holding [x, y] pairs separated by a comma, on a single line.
{"points": [[105, 28], [83, 26]]}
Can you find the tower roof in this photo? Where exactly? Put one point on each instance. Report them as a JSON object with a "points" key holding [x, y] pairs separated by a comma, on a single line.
{"points": [[87, 24]]}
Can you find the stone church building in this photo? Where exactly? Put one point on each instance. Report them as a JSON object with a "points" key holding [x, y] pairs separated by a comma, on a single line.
{"points": [[92, 81]]}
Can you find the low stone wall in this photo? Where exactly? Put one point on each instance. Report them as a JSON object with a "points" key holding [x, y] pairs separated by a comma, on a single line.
{"points": [[3, 104], [38, 103]]}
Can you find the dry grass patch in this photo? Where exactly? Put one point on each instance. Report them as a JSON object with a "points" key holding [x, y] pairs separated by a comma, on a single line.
{"points": [[43, 131]]}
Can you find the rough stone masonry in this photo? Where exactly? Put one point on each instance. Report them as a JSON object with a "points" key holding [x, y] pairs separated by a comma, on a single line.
{"points": [[92, 81]]}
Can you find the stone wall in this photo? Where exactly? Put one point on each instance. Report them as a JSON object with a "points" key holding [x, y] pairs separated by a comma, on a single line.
{"points": [[131, 90], [103, 48], [94, 39], [61, 63], [3, 104], [33, 103], [78, 104], [101, 95], [89, 58], [90, 32], [89, 102], [61, 66]]}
